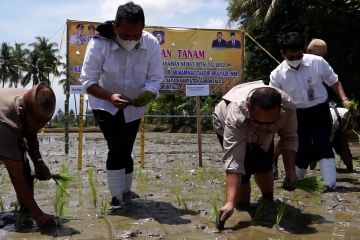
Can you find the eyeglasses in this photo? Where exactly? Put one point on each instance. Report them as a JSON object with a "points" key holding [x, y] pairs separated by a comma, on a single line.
{"points": [[254, 120], [297, 57]]}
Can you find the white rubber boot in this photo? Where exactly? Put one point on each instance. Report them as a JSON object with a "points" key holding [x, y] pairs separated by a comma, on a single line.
{"points": [[128, 193], [328, 171], [300, 172], [116, 184], [128, 181]]}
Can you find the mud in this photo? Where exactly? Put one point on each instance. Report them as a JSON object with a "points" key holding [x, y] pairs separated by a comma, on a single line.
{"points": [[177, 198]]}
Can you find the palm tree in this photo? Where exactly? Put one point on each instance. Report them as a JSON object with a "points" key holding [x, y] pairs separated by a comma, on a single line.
{"points": [[6, 63], [41, 62], [19, 55]]}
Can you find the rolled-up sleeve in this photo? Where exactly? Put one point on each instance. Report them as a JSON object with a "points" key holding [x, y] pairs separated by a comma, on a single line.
{"points": [[288, 132], [93, 62], [330, 77], [234, 143], [155, 73]]}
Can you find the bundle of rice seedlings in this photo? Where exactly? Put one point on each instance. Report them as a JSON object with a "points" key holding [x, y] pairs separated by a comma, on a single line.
{"points": [[313, 185], [280, 215], [92, 183], [214, 214], [61, 180]]}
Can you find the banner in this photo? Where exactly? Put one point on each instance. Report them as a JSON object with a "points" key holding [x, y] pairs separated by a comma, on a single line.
{"points": [[190, 56]]}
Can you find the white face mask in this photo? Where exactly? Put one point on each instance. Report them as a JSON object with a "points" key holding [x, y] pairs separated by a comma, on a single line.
{"points": [[294, 63], [128, 45]]}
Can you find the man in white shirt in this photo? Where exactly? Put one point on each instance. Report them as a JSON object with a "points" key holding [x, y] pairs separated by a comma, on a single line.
{"points": [[119, 65], [301, 76]]}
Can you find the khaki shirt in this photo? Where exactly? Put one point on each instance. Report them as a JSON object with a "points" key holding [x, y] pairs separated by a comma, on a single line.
{"points": [[230, 121], [11, 129]]}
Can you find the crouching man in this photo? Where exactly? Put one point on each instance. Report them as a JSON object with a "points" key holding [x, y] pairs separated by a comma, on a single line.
{"points": [[22, 113], [246, 121]]}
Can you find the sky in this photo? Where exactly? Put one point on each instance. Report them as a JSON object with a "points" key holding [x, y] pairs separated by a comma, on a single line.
{"points": [[23, 20]]}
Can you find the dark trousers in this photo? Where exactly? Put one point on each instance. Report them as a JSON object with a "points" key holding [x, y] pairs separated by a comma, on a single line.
{"points": [[314, 129], [120, 138]]}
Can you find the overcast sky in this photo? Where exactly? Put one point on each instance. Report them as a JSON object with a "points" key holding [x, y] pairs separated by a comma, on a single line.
{"points": [[22, 20]]}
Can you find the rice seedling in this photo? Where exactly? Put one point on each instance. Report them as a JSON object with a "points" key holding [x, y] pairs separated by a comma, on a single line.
{"points": [[104, 206], [1, 203], [280, 214], [61, 198], [180, 200], [313, 185], [214, 214], [92, 183]]}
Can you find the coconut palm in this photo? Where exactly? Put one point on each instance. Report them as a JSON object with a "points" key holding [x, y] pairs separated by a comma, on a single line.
{"points": [[252, 12], [19, 55], [41, 62], [7, 69]]}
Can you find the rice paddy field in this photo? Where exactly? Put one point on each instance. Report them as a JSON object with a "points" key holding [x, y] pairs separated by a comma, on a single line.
{"points": [[178, 199]]}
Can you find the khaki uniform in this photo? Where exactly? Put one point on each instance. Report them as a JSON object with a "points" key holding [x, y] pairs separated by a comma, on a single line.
{"points": [[231, 121], [11, 128]]}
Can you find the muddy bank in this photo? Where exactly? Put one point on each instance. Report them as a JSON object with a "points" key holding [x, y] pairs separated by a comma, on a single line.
{"points": [[178, 198]]}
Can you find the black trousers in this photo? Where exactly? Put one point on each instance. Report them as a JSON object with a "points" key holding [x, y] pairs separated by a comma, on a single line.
{"points": [[314, 129], [120, 138]]}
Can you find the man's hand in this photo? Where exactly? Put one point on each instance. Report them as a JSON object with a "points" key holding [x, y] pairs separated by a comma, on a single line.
{"points": [[225, 212], [120, 101], [45, 220], [42, 172]]}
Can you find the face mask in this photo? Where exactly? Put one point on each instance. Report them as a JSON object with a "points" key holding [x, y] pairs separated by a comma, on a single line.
{"points": [[127, 44], [294, 63]]}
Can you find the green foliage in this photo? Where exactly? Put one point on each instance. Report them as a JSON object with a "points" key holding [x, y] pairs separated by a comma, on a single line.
{"points": [[265, 20]]}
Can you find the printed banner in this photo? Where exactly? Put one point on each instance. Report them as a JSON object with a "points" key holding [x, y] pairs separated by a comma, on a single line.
{"points": [[190, 56]]}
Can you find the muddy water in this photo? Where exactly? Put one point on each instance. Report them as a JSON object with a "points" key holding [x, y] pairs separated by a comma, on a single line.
{"points": [[178, 198]]}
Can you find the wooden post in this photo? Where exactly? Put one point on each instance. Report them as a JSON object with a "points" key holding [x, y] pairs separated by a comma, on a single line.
{"points": [[142, 143], [81, 130], [198, 126]]}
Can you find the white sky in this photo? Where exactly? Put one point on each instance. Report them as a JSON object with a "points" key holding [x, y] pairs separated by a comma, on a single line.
{"points": [[22, 20]]}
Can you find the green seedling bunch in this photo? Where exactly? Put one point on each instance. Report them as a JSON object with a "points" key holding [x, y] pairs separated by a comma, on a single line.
{"points": [[61, 198], [92, 183], [144, 98], [215, 214], [353, 105], [313, 185]]}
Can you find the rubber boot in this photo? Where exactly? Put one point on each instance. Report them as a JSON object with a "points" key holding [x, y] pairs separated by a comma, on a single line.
{"points": [[128, 194], [300, 172], [328, 172], [116, 184]]}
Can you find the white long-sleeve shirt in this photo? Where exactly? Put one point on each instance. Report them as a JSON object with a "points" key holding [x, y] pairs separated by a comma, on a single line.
{"points": [[313, 71], [120, 71]]}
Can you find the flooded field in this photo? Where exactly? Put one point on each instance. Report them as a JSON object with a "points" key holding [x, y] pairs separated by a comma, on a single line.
{"points": [[177, 198]]}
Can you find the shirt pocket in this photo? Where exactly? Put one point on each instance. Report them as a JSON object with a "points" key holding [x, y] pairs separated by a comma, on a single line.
{"points": [[292, 88], [111, 69], [140, 73]]}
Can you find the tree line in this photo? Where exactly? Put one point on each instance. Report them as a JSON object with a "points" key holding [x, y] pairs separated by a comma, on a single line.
{"points": [[335, 21]]}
